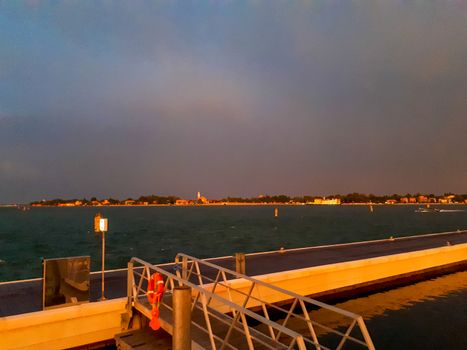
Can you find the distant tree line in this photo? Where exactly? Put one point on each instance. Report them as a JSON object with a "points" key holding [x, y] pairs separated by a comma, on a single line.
{"points": [[170, 200], [367, 198], [262, 199], [157, 199], [150, 199], [346, 198]]}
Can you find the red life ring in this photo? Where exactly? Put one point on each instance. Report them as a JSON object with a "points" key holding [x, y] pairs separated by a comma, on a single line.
{"points": [[154, 294], [155, 288]]}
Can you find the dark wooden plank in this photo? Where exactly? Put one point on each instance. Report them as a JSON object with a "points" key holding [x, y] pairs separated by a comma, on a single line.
{"points": [[143, 339]]}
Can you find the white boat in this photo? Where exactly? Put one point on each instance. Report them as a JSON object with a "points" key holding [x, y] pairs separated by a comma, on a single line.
{"points": [[427, 210]]}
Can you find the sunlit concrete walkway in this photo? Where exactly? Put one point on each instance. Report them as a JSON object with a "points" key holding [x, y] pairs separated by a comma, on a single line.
{"points": [[25, 296]]}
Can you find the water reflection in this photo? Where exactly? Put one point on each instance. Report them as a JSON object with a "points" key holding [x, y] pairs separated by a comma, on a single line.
{"points": [[395, 299], [415, 310]]}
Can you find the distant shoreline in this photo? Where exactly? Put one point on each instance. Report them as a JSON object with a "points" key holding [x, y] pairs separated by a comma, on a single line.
{"points": [[227, 205]]}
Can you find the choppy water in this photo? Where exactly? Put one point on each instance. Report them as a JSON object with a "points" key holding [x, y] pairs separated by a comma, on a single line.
{"points": [[158, 233], [427, 315]]}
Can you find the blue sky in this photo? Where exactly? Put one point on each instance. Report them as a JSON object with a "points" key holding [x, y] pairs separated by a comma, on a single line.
{"points": [[122, 98]]}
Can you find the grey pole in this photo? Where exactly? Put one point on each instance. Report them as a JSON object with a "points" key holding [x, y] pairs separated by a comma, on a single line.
{"points": [[181, 338], [101, 227], [103, 265], [240, 263]]}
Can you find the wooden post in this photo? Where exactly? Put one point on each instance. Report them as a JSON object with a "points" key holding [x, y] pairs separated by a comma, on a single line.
{"points": [[185, 268], [43, 283], [240, 262], [129, 287], [181, 337]]}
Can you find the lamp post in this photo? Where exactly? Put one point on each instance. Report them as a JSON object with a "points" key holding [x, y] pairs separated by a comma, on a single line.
{"points": [[101, 227]]}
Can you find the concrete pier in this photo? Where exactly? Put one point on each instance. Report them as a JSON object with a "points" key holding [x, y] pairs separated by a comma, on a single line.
{"points": [[311, 271], [19, 297]]}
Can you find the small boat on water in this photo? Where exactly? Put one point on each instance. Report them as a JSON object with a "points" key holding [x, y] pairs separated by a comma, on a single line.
{"points": [[23, 207], [427, 210]]}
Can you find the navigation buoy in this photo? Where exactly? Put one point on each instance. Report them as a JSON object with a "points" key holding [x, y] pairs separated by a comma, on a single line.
{"points": [[371, 208]]}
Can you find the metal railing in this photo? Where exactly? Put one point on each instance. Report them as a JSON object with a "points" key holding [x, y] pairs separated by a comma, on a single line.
{"points": [[221, 331], [296, 311]]}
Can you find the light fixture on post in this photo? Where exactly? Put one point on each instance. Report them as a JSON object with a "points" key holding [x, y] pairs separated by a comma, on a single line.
{"points": [[101, 226]]}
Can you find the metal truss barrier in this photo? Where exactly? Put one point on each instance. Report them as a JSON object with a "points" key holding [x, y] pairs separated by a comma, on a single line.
{"points": [[296, 312], [210, 328], [235, 311]]}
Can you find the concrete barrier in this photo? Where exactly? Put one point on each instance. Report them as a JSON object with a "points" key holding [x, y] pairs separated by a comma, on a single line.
{"points": [[62, 327], [319, 279], [94, 322]]}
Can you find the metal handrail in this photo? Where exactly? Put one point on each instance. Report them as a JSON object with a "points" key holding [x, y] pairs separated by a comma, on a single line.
{"points": [[200, 296], [296, 300]]}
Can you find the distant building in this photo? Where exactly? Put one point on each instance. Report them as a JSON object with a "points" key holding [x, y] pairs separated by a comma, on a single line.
{"points": [[412, 200], [200, 199], [422, 199], [129, 202], [450, 198], [66, 204], [404, 200], [391, 201], [203, 200], [324, 201], [447, 199]]}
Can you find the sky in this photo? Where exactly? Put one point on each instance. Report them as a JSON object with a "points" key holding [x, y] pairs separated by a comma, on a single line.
{"points": [[231, 98]]}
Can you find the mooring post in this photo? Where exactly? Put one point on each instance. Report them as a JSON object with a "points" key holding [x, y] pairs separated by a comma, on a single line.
{"points": [[240, 263], [184, 268], [181, 338], [129, 287]]}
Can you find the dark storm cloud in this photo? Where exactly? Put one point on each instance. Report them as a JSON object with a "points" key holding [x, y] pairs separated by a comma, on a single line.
{"points": [[120, 99]]}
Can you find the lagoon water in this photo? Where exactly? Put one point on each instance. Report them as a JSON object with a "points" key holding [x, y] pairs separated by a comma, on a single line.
{"points": [[158, 233], [427, 315]]}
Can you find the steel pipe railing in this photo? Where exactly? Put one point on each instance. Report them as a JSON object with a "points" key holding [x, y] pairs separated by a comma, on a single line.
{"points": [[239, 322], [250, 293]]}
